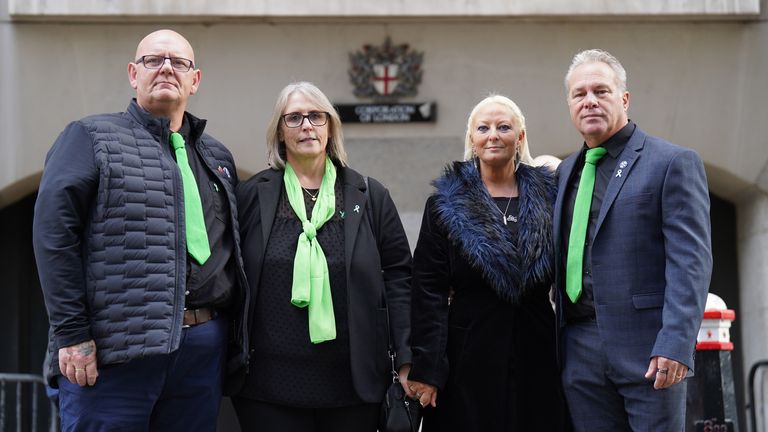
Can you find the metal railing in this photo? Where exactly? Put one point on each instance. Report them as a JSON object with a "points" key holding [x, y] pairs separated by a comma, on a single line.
{"points": [[757, 402], [29, 412]]}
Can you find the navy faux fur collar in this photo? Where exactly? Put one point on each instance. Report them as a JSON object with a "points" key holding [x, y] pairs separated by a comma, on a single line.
{"points": [[511, 266]]}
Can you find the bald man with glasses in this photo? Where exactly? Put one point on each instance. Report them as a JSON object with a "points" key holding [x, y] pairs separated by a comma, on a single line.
{"points": [[136, 242]]}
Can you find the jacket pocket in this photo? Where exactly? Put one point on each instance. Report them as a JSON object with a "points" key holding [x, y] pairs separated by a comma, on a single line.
{"points": [[218, 194], [648, 301], [642, 198]]}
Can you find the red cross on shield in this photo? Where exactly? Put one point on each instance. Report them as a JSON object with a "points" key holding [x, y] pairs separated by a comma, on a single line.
{"points": [[385, 78]]}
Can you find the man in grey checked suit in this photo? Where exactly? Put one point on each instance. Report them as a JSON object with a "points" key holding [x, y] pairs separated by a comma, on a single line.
{"points": [[626, 343]]}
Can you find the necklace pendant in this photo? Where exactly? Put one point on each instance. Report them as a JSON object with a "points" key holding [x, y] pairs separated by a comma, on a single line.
{"points": [[504, 218], [314, 198]]}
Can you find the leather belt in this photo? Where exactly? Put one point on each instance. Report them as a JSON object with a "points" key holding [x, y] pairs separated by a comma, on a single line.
{"points": [[193, 317]]}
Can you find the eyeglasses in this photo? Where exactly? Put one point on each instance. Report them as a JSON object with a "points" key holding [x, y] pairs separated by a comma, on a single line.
{"points": [[156, 62], [316, 118]]}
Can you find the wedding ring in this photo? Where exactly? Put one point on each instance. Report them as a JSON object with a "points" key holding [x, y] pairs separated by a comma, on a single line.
{"points": [[79, 370], [662, 371], [679, 377]]}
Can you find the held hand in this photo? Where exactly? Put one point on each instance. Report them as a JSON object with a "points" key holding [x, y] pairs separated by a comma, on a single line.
{"points": [[665, 372], [78, 363], [426, 394], [403, 376]]}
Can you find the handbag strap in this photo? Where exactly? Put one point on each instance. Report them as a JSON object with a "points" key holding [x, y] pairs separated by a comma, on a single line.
{"points": [[391, 349]]}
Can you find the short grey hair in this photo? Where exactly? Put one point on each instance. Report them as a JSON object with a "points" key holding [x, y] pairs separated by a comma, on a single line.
{"points": [[276, 147], [517, 118], [598, 55]]}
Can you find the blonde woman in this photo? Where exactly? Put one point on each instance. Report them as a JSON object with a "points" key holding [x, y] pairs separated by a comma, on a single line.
{"points": [[483, 335]]}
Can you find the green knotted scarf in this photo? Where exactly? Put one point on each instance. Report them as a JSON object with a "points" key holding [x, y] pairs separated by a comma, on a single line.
{"points": [[311, 282]]}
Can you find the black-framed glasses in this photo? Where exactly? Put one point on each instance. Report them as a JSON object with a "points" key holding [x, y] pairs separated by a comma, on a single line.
{"points": [[156, 62], [316, 118]]}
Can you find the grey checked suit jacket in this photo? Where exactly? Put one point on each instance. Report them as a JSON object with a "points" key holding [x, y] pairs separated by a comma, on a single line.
{"points": [[651, 255]]}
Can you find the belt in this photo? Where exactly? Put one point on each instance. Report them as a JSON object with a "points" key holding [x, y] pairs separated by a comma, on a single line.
{"points": [[193, 317]]}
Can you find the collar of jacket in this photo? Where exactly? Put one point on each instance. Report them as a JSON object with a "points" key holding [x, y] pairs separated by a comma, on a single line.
{"points": [[465, 209], [349, 177], [159, 126], [269, 183]]}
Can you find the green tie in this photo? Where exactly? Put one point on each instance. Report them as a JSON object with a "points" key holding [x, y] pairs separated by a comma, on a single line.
{"points": [[575, 264], [197, 236]]}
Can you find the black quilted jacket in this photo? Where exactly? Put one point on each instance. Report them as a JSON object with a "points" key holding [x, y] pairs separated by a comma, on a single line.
{"points": [[109, 236]]}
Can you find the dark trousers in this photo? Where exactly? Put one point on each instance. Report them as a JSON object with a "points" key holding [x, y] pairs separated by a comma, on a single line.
{"points": [[266, 417], [180, 391], [599, 399]]}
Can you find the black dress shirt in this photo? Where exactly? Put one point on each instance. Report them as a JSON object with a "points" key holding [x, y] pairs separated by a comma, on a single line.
{"points": [[584, 308], [210, 284]]}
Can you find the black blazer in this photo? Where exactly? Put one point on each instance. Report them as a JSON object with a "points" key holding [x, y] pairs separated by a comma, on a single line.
{"points": [[378, 264]]}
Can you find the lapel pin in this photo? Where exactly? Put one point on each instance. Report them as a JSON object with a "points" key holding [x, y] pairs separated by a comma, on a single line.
{"points": [[618, 173], [623, 164], [356, 209], [224, 171], [342, 214]]}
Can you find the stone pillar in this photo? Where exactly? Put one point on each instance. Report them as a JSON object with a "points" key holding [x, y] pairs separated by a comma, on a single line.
{"points": [[752, 246]]}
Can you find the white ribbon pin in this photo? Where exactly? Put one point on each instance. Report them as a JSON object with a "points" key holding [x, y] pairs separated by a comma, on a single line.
{"points": [[356, 209], [622, 165]]}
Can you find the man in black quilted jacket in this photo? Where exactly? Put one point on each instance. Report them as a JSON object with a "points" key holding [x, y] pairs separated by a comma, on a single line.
{"points": [[136, 240]]}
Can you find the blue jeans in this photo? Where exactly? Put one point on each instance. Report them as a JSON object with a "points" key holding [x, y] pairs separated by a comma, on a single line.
{"points": [[180, 391]]}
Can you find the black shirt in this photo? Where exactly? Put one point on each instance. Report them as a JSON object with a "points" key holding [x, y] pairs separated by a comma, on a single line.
{"points": [[584, 308], [286, 367], [510, 209], [210, 284]]}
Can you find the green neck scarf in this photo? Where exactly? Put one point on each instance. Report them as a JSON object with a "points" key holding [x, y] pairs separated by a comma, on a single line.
{"points": [[311, 282]]}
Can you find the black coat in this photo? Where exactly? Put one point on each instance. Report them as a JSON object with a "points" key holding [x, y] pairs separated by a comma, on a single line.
{"points": [[491, 353], [378, 266]]}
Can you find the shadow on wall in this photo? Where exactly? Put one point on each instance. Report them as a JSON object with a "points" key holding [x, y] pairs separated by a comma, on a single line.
{"points": [[19, 190]]}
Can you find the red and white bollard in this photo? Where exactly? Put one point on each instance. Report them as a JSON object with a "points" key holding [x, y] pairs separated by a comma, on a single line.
{"points": [[711, 404], [715, 330]]}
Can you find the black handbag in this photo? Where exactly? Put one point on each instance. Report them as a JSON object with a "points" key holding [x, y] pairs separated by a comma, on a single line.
{"points": [[399, 413]]}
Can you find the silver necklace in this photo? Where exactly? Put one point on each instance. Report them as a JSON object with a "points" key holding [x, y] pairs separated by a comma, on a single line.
{"points": [[314, 197], [504, 216]]}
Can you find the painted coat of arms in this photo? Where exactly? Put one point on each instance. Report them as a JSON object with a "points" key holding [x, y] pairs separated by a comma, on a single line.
{"points": [[387, 72]]}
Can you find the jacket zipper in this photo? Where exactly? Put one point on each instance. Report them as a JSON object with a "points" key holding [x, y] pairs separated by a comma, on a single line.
{"points": [[179, 286]]}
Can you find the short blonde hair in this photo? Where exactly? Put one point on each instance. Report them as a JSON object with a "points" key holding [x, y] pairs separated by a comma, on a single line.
{"points": [[276, 147], [517, 117]]}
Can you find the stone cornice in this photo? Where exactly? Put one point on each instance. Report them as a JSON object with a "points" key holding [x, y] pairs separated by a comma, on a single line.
{"points": [[205, 10]]}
